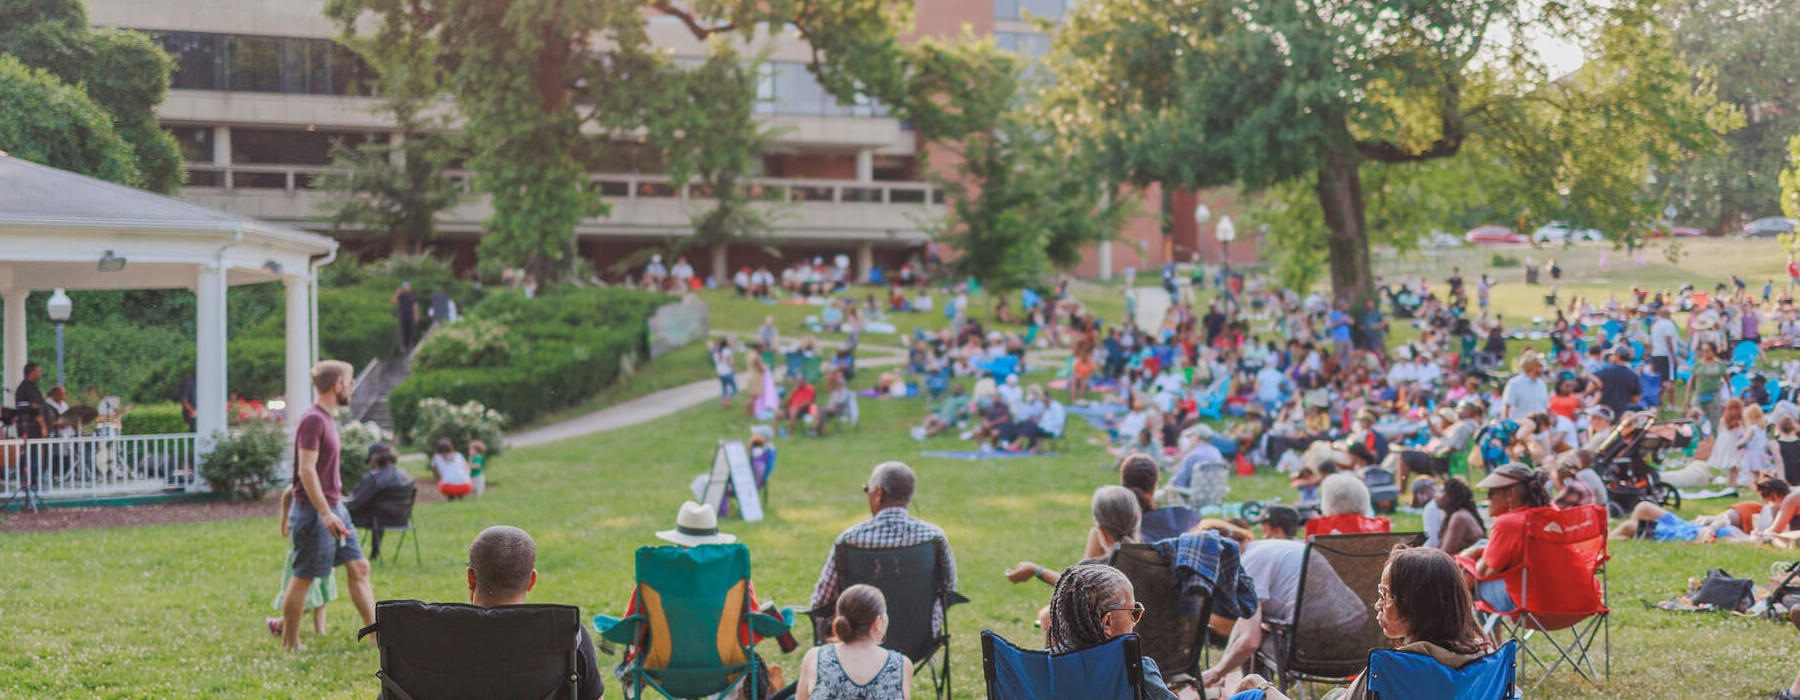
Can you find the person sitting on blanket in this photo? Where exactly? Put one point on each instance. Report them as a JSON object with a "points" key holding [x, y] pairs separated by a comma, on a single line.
{"points": [[1786, 504], [1048, 423]]}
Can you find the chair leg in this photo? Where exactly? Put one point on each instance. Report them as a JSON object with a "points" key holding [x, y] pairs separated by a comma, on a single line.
{"points": [[415, 541]]}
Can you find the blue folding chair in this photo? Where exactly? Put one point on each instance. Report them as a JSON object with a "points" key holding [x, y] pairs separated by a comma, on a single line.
{"points": [[1400, 675], [1111, 671], [1746, 353]]}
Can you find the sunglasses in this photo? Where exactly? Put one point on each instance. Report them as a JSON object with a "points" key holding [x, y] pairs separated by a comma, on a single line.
{"points": [[1136, 609]]}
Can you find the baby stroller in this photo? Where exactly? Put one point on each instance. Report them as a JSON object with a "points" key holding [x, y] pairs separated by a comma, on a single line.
{"points": [[1629, 457]]}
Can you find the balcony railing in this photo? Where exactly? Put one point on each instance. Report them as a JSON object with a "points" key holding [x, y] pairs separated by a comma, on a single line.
{"points": [[298, 178], [82, 468]]}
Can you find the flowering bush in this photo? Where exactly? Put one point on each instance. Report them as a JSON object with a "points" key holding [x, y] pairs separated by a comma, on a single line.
{"points": [[439, 419], [243, 410], [242, 463], [355, 437], [476, 342]]}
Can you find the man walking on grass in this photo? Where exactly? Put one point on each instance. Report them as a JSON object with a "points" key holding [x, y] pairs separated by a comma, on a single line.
{"points": [[318, 521]]}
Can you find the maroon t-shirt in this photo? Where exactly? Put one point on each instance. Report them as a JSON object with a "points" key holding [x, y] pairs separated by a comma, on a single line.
{"points": [[318, 431]]}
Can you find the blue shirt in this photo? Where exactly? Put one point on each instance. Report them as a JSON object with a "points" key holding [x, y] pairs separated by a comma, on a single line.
{"points": [[1340, 325]]}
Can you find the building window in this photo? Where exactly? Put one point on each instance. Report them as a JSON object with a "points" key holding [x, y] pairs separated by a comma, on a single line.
{"points": [[1019, 9], [249, 63], [789, 88], [289, 146]]}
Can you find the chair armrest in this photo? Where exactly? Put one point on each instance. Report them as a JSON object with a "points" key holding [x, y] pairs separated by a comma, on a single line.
{"points": [[954, 598], [765, 625], [618, 630]]}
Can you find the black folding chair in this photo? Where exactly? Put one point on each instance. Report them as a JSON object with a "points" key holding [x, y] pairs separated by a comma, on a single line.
{"points": [[1173, 631], [404, 524], [909, 577], [1334, 624], [451, 651]]}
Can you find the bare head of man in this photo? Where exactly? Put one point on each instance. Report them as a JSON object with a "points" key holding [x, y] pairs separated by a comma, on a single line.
{"points": [[502, 566]]}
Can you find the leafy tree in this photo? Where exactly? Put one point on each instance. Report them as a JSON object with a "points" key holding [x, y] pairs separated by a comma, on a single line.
{"points": [[123, 72], [1790, 191], [1745, 48], [45, 120], [1215, 92], [539, 83], [400, 187]]}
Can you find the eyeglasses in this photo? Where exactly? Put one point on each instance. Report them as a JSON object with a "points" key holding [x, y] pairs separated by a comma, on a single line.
{"points": [[1136, 609]]}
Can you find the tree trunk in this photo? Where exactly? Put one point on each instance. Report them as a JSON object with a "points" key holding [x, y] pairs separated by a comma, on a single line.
{"points": [[1341, 199]]}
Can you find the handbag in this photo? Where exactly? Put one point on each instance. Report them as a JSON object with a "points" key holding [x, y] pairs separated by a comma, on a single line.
{"points": [[1721, 590]]}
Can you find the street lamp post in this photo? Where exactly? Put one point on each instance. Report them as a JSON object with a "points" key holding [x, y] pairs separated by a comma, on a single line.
{"points": [[1226, 232], [1201, 215], [59, 309]]}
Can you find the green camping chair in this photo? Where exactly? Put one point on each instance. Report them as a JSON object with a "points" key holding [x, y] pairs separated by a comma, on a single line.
{"points": [[686, 640], [813, 368]]}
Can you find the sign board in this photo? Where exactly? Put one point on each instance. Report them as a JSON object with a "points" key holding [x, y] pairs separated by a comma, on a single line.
{"points": [[731, 464]]}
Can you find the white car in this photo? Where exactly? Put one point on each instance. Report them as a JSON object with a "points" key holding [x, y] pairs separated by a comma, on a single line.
{"points": [[1440, 239], [1560, 232]]}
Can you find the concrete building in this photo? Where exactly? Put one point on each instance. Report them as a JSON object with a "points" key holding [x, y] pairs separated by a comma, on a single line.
{"points": [[260, 93]]}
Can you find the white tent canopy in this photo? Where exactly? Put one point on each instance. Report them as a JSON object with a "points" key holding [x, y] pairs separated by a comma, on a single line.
{"points": [[63, 230]]}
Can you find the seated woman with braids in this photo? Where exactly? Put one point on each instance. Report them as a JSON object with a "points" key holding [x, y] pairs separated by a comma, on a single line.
{"points": [[1094, 603]]}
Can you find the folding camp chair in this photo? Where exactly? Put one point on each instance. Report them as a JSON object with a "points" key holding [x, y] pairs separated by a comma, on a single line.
{"points": [[1207, 486], [1562, 588], [1399, 675], [1335, 625], [1111, 671], [1746, 353], [405, 525], [1384, 491], [452, 651], [1347, 524], [795, 363], [911, 580], [699, 600], [1174, 634]]}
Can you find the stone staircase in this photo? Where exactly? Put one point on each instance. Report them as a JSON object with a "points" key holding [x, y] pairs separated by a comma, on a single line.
{"points": [[370, 402]]}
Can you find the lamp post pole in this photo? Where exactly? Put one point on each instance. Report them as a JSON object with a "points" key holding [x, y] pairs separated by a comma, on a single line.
{"points": [[59, 308], [1226, 232], [1202, 214]]}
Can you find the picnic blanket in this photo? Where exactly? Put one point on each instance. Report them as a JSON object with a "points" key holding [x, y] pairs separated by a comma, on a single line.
{"points": [[1705, 495], [973, 455], [1096, 414]]}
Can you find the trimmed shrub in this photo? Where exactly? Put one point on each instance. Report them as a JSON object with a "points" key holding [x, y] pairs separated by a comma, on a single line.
{"points": [[477, 342], [354, 439], [357, 324], [566, 346], [439, 420], [153, 419], [243, 463]]}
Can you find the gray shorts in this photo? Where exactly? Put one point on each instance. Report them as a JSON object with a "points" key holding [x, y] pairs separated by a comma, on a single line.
{"points": [[316, 551]]}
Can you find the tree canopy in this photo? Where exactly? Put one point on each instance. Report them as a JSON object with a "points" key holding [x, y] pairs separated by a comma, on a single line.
{"points": [[1309, 95], [45, 120], [124, 73]]}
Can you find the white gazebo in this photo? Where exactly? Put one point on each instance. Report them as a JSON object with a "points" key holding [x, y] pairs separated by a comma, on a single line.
{"points": [[63, 230]]}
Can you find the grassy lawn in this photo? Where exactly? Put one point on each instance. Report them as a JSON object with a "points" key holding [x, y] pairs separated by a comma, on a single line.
{"points": [[176, 611]]}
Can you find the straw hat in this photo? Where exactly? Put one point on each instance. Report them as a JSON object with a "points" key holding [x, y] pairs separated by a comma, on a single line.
{"points": [[696, 525]]}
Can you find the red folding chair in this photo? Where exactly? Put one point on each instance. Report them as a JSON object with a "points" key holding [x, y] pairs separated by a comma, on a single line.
{"points": [[1561, 594], [1347, 524]]}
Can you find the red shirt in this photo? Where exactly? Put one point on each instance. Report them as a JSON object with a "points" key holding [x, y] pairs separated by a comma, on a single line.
{"points": [[803, 395], [318, 431], [1505, 552]]}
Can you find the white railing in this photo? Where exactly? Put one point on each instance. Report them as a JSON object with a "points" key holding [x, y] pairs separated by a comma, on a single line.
{"points": [[300, 178], [98, 467]]}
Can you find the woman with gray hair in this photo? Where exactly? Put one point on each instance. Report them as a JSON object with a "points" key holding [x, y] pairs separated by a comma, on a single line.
{"points": [[1344, 494], [1117, 520]]}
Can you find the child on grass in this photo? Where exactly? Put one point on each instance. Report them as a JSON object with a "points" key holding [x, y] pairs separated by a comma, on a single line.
{"points": [[478, 465], [324, 589]]}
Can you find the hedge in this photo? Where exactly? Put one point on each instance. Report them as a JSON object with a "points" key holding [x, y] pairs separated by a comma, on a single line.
{"points": [[569, 346], [153, 419]]}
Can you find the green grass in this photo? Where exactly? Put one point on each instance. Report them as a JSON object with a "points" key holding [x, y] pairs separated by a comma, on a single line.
{"points": [[176, 611]]}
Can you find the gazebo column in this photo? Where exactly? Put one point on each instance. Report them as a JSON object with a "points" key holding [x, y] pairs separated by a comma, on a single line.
{"points": [[299, 347], [209, 370], [14, 338]]}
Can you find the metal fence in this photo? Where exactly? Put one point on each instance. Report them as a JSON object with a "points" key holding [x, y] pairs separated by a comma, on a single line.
{"points": [[81, 468]]}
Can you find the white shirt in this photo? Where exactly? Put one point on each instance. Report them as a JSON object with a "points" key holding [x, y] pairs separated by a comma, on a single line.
{"points": [[1274, 565], [1664, 338], [1268, 384], [452, 470], [1525, 396]]}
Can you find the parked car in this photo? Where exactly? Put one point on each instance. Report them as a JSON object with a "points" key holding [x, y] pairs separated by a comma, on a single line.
{"points": [[1665, 231], [1769, 227], [1494, 235], [1440, 239], [1561, 232]]}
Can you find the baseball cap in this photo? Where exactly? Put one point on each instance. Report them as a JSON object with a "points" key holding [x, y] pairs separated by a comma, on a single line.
{"points": [[1601, 411], [1507, 475]]}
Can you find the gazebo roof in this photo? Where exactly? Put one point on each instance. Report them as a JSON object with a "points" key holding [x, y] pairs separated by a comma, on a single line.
{"points": [[55, 226]]}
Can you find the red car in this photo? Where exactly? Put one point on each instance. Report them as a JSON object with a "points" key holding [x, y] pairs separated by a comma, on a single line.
{"points": [[1676, 231], [1495, 235]]}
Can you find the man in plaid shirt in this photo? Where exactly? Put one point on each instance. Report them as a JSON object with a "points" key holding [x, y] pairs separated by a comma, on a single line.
{"points": [[890, 490]]}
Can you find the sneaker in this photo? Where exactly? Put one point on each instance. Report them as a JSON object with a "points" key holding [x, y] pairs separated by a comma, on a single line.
{"points": [[966, 434], [1785, 695], [274, 624]]}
